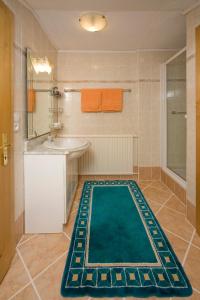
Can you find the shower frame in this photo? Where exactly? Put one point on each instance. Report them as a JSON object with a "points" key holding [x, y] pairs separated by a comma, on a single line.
{"points": [[163, 121]]}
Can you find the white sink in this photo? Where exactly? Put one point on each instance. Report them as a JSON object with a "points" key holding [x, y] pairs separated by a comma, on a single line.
{"points": [[75, 146]]}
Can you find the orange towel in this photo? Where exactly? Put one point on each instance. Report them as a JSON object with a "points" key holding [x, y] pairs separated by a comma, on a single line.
{"points": [[90, 100], [112, 100], [31, 100]]}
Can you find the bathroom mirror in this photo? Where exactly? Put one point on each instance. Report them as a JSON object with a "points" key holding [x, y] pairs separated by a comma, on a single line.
{"points": [[41, 102]]}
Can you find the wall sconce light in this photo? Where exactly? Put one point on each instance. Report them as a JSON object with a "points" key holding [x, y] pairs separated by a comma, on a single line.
{"points": [[93, 22], [41, 65]]}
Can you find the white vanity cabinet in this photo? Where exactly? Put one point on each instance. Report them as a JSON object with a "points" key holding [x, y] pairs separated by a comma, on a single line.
{"points": [[50, 185]]}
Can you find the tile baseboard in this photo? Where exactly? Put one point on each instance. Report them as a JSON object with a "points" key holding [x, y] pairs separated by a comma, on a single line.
{"points": [[178, 190], [149, 173]]}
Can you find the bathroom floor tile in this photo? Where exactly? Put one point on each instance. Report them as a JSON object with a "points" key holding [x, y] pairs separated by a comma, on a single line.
{"points": [[157, 195], [110, 298], [155, 206], [48, 283], [39, 252], [26, 294], [179, 245], [26, 237], [175, 222], [68, 228], [144, 184], [15, 279], [192, 267], [159, 185], [196, 240], [194, 296], [176, 204]]}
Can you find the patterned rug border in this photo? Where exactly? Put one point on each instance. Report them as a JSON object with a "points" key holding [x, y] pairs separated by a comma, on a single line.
{"points": [[134, 291]]}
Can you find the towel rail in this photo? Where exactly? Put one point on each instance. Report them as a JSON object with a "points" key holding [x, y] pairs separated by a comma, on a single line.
{"points": [[79, 90]]}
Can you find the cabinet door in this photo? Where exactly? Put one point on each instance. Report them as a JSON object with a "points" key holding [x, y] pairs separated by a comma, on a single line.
{"points": [[45, 193], [71, 183]]}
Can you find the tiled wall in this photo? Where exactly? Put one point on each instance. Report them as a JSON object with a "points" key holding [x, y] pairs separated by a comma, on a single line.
{"points": [[28, 33], [193, 20], [138, 71]]}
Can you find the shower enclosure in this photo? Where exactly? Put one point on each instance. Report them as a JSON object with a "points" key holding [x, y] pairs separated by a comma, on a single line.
{"points": [[175, 115]]}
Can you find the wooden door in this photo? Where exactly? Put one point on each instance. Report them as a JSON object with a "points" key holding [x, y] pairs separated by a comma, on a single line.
{"points": [[198, 129], [6, 140]]}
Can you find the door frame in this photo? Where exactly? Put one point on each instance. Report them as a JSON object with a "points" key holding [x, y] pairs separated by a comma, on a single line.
{"points": [[197, 36]]}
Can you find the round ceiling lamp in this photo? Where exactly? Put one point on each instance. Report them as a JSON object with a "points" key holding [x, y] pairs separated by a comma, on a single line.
{"points": [[93, 22]]}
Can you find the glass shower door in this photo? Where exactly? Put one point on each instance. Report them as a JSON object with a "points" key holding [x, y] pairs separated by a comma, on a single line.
{"points": [[176, 115]]}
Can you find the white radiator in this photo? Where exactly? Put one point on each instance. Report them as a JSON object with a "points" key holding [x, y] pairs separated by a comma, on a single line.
{"points": [[108, 155]]}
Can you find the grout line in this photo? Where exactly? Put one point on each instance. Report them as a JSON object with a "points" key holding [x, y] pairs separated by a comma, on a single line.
{"points": [[22, 243], [178, 212], [20, 290], [188, 249], [178, 236], [50, 265], [163, 205], [29, 275], [167, 207], [196, 290], [197, 247], [144, 187], [19, 240], [67, 235]]}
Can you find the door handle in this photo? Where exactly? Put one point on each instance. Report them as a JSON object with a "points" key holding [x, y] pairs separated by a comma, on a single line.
{"points": [[4, 148]]}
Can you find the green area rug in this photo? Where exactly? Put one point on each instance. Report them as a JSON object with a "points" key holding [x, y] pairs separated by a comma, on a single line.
{"points": [[118, 248]]}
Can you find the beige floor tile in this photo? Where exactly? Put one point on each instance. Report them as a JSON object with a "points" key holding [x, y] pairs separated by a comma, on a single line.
{"points": [[39, 252], [192, 267], [195, 296], [143, 184], [48, 284], [159, 185], [26, 237], [68, 228], [155, 206], [27, 294], [15, 279], [150, 298], [109, 298], [154, 194], [175, 223], [176, 204], [196, 240], [178, 245]]}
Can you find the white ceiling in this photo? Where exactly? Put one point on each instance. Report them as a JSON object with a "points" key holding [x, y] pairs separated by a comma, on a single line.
{"points": [[132, 24]]}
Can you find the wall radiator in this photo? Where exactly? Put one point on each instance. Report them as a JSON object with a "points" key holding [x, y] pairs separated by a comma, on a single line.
{"points": [[108, 155]]}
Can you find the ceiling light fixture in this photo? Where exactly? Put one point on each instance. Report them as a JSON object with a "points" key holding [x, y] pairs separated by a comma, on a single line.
{"points": [[93, 22]]}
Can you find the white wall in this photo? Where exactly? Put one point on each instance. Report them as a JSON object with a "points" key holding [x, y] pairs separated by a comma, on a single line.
{"points": [[138, 71], [28, 33]]}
